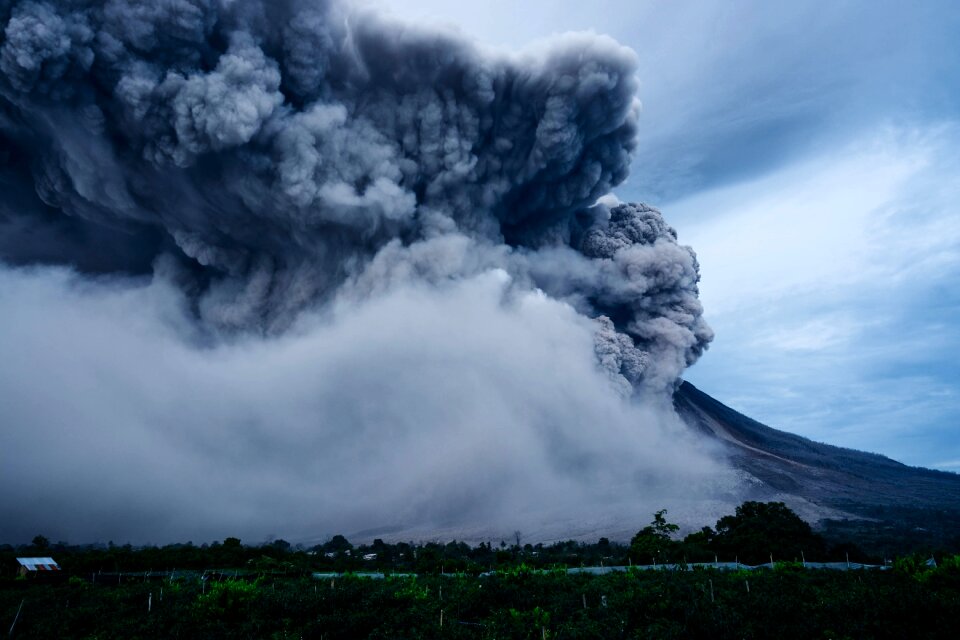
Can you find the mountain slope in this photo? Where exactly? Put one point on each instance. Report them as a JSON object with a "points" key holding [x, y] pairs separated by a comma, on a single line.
{"points": [[840, 483], [886, 507]]}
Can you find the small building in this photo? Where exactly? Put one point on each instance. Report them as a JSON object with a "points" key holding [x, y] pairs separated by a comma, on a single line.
{"points": [[31, 565]]}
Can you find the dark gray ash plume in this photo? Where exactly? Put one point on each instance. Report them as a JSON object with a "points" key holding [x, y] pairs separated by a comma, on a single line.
{"points": [[649, 282], [275, 148]]}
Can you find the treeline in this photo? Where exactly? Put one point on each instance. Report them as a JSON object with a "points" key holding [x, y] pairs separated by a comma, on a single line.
{"points": [[752, 535]]}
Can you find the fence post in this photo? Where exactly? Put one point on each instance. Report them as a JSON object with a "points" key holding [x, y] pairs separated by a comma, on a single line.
{"points": [[15, 618]]}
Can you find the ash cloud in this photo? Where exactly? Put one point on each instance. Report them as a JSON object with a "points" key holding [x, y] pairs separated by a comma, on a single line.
{"points": [[282, 143], [310, 173]]}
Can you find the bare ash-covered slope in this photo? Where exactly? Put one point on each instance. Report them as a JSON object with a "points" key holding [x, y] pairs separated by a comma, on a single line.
{"points": [[854, 483]]}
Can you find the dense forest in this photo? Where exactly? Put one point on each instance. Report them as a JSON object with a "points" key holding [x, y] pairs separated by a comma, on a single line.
{"points": [[506, 589]]}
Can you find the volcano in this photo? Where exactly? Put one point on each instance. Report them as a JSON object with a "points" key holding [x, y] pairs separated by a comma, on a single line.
{"points": [[847, 492]]}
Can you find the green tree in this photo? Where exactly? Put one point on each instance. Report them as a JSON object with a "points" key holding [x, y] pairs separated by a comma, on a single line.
{"points": [[655, 540], [337, 544], [759, 529], [699, 546], [231, 543]]}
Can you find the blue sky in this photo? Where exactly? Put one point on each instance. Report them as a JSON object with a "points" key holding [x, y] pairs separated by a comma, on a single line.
{"points": [[810, 153]]}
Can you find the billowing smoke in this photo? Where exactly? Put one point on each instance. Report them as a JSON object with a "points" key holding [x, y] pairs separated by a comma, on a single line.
{"points": [[322, 254]]}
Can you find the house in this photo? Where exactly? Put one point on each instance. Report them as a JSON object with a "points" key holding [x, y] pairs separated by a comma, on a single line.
{"points": [[31, 565]]}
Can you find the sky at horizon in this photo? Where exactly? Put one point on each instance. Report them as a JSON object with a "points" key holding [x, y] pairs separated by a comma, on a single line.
{"points": [[810, 153]]}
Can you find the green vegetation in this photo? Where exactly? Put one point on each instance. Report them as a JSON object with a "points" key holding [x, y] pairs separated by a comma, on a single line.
{"points": [[912, 601], [761, 529], [656, 541], [232, 590]]}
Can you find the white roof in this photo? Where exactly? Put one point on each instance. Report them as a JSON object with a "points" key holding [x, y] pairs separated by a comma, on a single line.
{"points": [[39, 564]]}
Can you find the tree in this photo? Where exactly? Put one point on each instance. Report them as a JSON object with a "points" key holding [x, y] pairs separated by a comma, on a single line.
{"points": [[655, 541], [698, 546], [338, 544], [759, 529], [40, 543], [661, 526], [280, 546]]}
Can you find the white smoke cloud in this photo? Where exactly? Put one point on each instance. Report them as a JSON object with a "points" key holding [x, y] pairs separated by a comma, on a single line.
{"points": [[471, 407]]}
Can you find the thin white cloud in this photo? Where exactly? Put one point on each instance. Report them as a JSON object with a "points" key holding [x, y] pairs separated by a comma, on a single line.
{"points": [[823, 223], [830, 330]]}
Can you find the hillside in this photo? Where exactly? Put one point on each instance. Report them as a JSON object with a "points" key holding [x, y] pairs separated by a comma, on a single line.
{"points": [[849, 489]]}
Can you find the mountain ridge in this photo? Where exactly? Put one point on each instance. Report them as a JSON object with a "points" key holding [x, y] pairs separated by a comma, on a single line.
{"points": [[837, 485]]}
